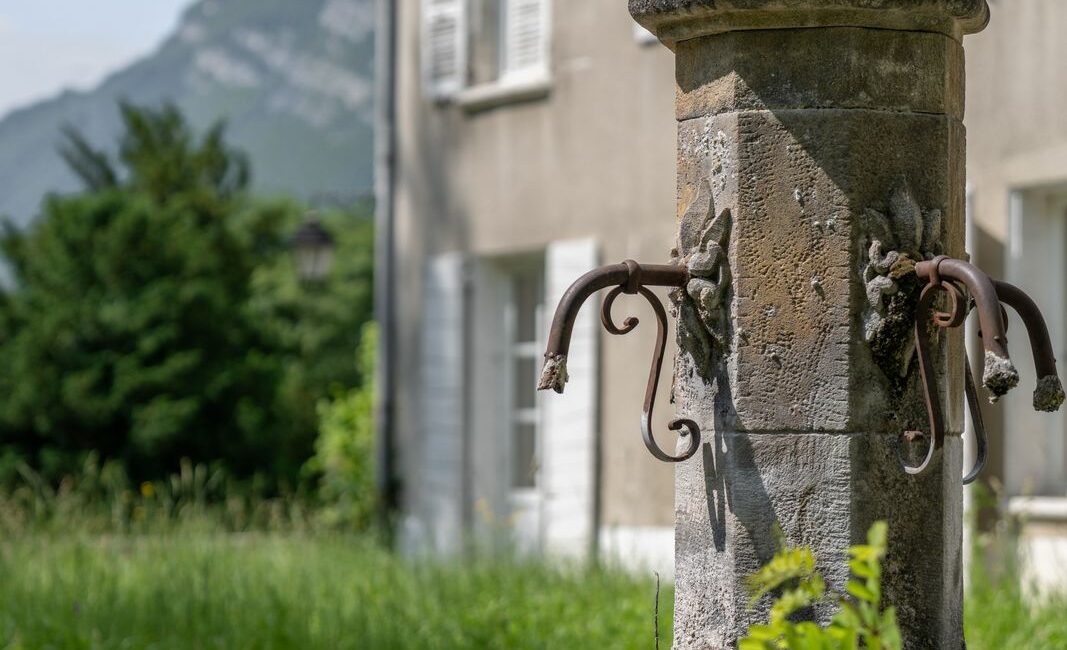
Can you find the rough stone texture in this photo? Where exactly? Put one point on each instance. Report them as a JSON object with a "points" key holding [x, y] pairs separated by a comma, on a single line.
{"points": [[913, 71], [798, 183], [838, 154], [674, 21], [824, 490], [1048, 396]]}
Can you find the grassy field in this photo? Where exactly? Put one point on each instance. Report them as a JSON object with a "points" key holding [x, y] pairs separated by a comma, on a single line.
{"points": [[251, 590], [197, 588], [999, 616], [100, 565]]}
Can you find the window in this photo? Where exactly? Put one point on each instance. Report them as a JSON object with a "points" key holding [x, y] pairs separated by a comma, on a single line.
{"points": [[524, 356], [444, 59], [479, 47]]}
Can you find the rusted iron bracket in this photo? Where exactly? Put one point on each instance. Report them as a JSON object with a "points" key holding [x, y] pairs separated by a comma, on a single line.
{"points": [[958, 279], [630, 278], [964, 284]]}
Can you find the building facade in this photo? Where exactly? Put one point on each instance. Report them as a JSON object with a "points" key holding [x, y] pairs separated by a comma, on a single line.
{"points": [[1017, 180], [532, 145], [528, 150]]}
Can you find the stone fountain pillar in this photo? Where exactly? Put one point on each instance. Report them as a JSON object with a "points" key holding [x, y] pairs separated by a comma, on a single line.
{"points": [[820, 154]]}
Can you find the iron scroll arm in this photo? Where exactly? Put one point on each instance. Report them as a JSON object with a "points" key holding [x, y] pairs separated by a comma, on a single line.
{"points": [[999, 375], [632, 278], [963, 283], [1048, 395]]}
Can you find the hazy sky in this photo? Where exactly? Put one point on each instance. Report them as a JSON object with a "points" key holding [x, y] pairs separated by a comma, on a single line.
{"points": [[48, 45]]}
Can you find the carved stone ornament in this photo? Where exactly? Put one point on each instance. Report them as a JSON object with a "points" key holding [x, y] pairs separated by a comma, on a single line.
{"points": [[893, 241], [701, 306]]}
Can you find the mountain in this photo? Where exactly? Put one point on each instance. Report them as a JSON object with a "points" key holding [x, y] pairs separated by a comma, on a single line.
{"points": [[293, 80]]}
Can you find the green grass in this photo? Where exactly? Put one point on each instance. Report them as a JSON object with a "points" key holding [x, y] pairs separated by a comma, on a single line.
{"points": [[999, 615], [290, 590], [98, 563], [194, 586]]}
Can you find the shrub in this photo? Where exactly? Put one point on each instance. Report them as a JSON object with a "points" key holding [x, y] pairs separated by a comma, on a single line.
{"points": [[344, 451], [859, 622]]}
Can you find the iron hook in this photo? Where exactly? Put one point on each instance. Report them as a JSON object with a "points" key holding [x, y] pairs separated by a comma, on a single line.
{"points": [[631, 278]]}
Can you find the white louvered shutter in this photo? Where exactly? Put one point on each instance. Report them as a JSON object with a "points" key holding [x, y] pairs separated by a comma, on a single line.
{"points": [[569, 420], [526, 25], [444, 47], [441, 376]]}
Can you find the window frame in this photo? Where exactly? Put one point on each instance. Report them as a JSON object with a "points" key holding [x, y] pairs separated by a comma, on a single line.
{"points": [[516, 352], [507, 85]]}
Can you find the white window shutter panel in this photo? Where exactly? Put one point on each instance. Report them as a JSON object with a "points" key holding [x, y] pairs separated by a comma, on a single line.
{"points": [[570, 420], [441, 408], [526, 30], [444, 47]]}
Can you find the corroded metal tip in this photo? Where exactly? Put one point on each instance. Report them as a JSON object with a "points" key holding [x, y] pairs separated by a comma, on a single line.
{"points": [[553, 373], [1048, 396], [999, 375]]}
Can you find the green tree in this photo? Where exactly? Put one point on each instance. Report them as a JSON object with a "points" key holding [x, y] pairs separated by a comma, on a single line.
{"points": [[148, 317]]}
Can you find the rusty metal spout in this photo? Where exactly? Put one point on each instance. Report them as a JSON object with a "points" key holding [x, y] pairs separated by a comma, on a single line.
{"points": [[944, 274], [554, 372], [1048, 395], [999, 374], [630, 278]]}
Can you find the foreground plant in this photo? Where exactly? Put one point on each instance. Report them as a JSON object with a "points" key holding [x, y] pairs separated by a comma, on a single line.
{"points": [[859, 623]]}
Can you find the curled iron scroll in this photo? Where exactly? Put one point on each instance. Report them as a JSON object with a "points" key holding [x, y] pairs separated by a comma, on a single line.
{"points": [[954, 317], [684, 426], [631, 278]]}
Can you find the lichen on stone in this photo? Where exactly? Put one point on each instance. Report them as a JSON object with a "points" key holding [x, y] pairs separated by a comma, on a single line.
{"points": [[1048, 396], [893, 241], [999, 375], [554, 373]]}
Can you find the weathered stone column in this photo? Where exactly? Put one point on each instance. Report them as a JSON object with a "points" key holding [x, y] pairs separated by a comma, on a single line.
{"points": [[820, 153]]}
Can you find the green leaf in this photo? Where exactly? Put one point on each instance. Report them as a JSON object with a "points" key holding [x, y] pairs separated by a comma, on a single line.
{"points": [[878, 535], [763, 632], [891, 630], [785, 566], [793, 571], [860, 591], [861, 569]]}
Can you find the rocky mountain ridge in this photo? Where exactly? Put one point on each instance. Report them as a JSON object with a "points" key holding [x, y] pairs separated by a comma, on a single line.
{"points": [[293, 80]]}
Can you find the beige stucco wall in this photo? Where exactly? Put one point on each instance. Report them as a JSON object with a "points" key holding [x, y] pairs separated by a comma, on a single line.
{"points": [[1016, 99], [596, 158], [1017, 142]]}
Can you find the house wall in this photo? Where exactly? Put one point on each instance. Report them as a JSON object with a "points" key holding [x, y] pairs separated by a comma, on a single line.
{"points": [[1017, 161], [593, 159], [1017, 171], [596, 158]]}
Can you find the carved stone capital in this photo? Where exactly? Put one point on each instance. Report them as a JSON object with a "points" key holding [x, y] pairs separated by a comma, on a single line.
{"points": [[678, 20]]}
